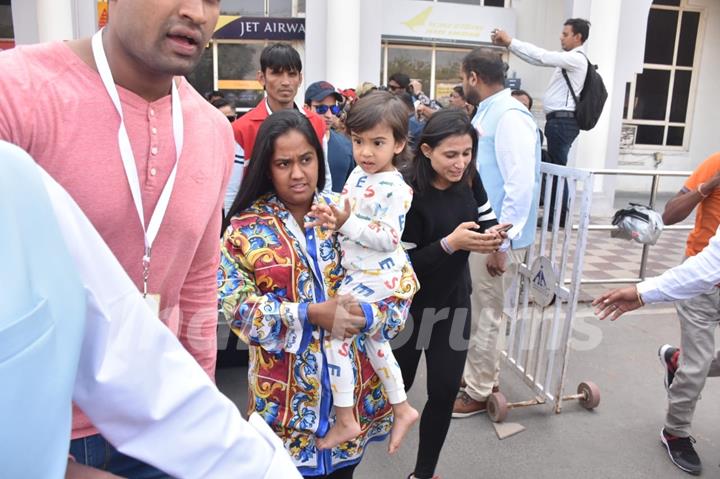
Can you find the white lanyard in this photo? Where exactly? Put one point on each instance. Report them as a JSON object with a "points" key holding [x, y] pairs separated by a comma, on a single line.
{"points": [[128, 159]]}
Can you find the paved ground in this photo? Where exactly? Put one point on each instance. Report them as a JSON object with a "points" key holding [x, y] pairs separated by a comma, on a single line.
{"points": [[617, 440]]}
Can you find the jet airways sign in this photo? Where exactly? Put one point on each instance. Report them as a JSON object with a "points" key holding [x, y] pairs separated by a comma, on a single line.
{"points": [[259, 28]]}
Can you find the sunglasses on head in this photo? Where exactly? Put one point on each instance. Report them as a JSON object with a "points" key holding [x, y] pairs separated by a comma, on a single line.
{"points": [[322, 109]]}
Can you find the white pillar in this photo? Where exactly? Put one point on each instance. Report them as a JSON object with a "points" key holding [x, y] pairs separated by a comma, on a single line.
{"points": [[55, 20], [85, 17], [342, 43], [371, 41], [616, 36], [314, 69], [43, 20]]}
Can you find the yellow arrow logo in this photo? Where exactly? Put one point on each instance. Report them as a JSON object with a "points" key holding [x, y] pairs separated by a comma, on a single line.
{"points": [[419, 20]]}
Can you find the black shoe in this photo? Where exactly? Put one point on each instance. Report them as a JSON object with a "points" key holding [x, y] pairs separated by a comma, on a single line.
{"points": [[668, 358], [681, 452]]}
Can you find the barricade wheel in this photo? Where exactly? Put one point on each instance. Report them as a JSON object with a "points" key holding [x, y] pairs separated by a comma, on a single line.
{"points": [[591, 393], [497, 407]]}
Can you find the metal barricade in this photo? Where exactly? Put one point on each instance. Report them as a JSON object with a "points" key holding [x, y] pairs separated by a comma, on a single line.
{"points": [[540, 307]]}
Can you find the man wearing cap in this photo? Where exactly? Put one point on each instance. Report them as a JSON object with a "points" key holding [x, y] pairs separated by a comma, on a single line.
{"points": [[322, 98]]}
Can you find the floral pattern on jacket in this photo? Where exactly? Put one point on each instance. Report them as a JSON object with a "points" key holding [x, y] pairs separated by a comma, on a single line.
{"points": [[268, 276]]}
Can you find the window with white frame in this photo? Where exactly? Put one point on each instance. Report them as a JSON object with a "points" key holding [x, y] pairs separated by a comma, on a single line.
{"points": [[231, 65], [658, 103], [437, 67]]}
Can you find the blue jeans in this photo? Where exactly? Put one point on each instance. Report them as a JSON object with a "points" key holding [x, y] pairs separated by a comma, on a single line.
{"points": [[96, 452], [560, 134]]}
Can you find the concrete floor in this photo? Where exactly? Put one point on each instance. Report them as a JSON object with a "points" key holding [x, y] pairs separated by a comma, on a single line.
{"points": [[620, 439]]}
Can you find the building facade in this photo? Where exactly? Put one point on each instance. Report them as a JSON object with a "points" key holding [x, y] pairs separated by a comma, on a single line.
{"points": [[659, 60]]}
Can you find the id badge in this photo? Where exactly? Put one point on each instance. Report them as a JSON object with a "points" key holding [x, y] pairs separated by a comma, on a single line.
{"points": [[153, 302]]}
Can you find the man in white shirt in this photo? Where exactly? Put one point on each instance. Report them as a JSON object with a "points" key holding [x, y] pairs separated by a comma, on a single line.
{"points": [[687, 367], [73, 326], [561, 127], [508, 160], [699, 274]]}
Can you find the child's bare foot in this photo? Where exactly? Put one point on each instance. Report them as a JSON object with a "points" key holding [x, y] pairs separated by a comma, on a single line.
{"points": [[344, 429], [405, 416]]}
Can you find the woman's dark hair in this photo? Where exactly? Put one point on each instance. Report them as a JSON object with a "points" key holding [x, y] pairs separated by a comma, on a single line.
{"points": [[459, 90], [407, 98], [280, 57], [517, 93], [380, 107], [256, 181], [214, 94], [221, 102], [441, 125]]}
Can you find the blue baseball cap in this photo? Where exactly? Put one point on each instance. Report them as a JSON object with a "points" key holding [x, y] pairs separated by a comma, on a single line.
{"points": [[320, 90]]}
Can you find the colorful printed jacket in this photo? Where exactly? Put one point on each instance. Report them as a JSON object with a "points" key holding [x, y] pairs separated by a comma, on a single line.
{"points": [[267, 279]]}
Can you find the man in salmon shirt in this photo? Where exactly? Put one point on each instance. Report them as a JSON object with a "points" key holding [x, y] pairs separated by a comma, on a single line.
{"points": [[280, 75], [145, 157], [687, 367]]}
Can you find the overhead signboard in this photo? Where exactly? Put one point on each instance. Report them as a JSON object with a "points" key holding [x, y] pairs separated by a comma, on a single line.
{"points": [[445, 22], [259, 28]]}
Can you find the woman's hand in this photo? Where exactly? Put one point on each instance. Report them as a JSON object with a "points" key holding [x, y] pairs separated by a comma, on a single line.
{"points": [[615, 303], [467, 238], [341, 316], [329, 216]]}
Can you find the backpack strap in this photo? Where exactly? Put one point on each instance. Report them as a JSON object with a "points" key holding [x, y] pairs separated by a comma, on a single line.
{"points": [[567, 80], [572, 92]]}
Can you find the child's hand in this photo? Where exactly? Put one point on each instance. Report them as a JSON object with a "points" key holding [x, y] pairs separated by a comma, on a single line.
{"points": [[342, 215], [329, 216], [322, 216]]}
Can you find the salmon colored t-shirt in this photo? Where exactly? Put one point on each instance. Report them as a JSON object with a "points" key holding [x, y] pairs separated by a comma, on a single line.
{"points": [[707, 217], [56, 108]]}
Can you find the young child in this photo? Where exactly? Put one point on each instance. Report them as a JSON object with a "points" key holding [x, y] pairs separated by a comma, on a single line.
{"points": [[370, 226]]}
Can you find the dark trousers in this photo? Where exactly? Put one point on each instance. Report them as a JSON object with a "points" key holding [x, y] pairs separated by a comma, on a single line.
{"points": [[560, 134], [445, 360], [344, 473], [96, 452]]}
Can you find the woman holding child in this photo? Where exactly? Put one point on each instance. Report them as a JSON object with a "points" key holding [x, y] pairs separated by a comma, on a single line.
{"points": [[278, 283], [280, 280]]}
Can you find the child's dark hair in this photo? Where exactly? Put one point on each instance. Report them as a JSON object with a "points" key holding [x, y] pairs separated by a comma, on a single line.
{"points": [[381, 107], [441, 125]]}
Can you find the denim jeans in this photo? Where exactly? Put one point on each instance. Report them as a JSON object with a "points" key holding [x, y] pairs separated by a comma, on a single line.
{"points": [[96, 452], [560, 134]]}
